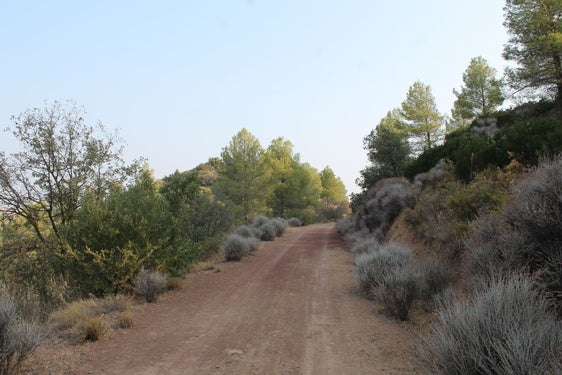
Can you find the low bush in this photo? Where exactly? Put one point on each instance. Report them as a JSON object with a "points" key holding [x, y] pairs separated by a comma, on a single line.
{"points": [[280, 225], [387, 276], [371, 267], [503, 329], [294, 222], [365, 245], [434, 276], [537, 204], [150, 284], [527, 235], [397, 290], [381, 210], [344, 226], [492, 248], [434, 175], [236, 247], [268, 232], [18, 338], [248, 231], [258, 221]]}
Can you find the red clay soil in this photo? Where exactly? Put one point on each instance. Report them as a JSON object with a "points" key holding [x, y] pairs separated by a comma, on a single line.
{"points": [[291, 308]]}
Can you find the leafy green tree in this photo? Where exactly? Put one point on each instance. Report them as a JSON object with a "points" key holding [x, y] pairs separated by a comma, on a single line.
{"points": [[243, 181], [422, 122], [281, 161], [481, 94], [304, 190], [61, 158], [387, 147], [180, 188], [197, 214], [333, 195], [535, 44], [112, 238], [333, 189]]}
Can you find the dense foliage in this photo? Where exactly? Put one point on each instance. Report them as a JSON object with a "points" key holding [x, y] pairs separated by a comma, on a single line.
{"points": [[76, 220]]}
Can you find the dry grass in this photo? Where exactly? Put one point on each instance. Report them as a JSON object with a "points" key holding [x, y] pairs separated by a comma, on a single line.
{"points": [[88, 319], [73, 314], [93, 329], [125, 320], [175, 283]]}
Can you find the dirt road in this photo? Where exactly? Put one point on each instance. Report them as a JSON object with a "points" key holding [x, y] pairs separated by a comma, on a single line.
{"points": [[292, 308]]}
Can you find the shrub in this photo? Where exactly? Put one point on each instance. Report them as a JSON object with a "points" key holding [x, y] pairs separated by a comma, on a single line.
{"points": [[248, 231], [434, 276], [259, 221], [236, 247], [294, 222], [268, 232], [397, 290], [94, 329], [382, 209], [18, 338], [280, 225], [537, 204], [344, 226], [150, 284], [434, 175], [371, 267], [386, 274], [365, 245], [527, 237], [492, 248], [504, 329]]}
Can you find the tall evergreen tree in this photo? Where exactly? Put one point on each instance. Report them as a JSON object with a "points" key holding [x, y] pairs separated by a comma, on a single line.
{"points": [[243, 182], [535, 44], [387, 147], [422, 121], [481, 93]]}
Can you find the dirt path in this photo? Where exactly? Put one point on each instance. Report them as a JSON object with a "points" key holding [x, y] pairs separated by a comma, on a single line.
{"points": [[292, 308]]}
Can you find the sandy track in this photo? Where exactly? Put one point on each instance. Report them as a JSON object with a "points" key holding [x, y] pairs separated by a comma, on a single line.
{"points": [[292, 308]]}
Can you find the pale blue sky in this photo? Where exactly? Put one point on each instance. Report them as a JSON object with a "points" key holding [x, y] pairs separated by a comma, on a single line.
{"points": [[179, 78]]}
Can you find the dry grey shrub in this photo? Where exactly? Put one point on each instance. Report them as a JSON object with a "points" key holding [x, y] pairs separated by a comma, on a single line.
{"points": [[268, 232], [258, 221], [248, 231], [294, 222], [504, 329], [150, 284], [18, 338], [280, 225], [434, 276], [434, 175], [368, 244], [236, 247], [527, 237], [380, 211], [387, 275]]}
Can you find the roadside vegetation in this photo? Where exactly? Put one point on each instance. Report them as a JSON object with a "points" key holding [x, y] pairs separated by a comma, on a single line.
{"points": [[461, 215], [80, 225]]}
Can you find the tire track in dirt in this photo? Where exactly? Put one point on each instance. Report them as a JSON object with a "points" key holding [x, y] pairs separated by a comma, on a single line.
{"points": [[292, 308]]}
